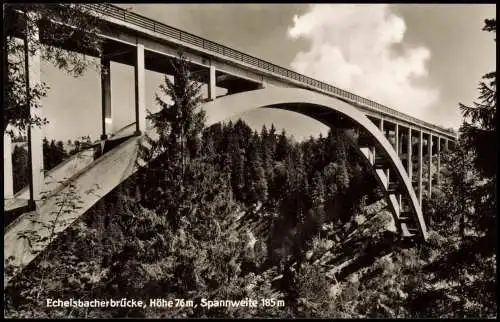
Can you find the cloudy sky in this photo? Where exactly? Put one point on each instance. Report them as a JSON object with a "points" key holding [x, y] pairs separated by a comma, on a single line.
{"points": [[420, 59]]}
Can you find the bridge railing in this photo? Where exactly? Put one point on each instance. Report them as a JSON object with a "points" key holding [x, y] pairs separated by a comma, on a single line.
{"points": [[149, 24]]}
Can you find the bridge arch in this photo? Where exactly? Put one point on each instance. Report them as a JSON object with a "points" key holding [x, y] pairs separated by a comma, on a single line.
{"points": [[378, 154]]}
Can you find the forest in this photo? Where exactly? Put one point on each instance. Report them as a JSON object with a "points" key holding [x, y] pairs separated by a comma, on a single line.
{"points": [[227, 213]]}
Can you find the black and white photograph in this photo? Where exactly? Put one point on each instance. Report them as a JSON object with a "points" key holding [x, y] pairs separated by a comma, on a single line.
{"points": [[249, 160]]}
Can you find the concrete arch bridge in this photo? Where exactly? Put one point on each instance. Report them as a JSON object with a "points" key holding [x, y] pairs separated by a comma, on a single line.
{"points": [[391, 142]]}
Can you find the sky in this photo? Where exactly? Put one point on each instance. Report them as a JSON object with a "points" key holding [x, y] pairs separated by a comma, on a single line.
{"points": [[420, 59]]}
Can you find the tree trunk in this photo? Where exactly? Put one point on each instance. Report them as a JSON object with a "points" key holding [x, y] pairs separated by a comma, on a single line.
{"points": [[462, 226]]}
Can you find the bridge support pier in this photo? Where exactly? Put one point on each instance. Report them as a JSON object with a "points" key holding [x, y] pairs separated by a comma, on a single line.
{"points": [[8, 183], [401, 141], [35, 133], [140, 91], [409, 164], [381, 126], [438, 170], [396, 138], [420, 162], [429, 171], [212, 84], [106, 117]]}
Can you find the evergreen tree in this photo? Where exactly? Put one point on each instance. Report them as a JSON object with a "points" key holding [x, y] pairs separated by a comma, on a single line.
{"points": [[478, 134], [46, 153], [282, 146], [60, 150], [255, 176], [54, 155], [318, 190], [178, 126], [20, 168], [481, 120]]}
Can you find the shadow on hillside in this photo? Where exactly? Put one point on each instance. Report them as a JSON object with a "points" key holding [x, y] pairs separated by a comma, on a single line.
{"points": [[366, 253]]}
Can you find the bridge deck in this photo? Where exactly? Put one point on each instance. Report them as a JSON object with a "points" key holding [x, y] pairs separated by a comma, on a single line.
{"points": [[167, 32]]}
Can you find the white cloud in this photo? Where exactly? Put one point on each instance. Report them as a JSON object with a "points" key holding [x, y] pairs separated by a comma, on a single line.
{"points": [[353, 47]]}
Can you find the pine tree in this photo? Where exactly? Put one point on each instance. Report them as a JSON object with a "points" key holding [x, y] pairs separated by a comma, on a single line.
{"points": [[480, 121], [46, 153], [478, 135], [255, 176], [60, 150], [282, 146], [54, 156], [179, 128], [318, 190], [20, 168]]}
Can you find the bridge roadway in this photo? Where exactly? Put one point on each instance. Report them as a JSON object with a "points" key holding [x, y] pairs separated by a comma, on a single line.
{"points": [[391, 141]]}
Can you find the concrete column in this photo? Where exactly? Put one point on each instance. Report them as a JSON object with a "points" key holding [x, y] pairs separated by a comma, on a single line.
{"points": [[396, 139], [35, 133], [400, 142], [212, 84], [429, 172], [438, 170], [106, 117], [381, 126], [420, 161], [8, 183], [409, 163], [446, 144], [140, 91]]}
